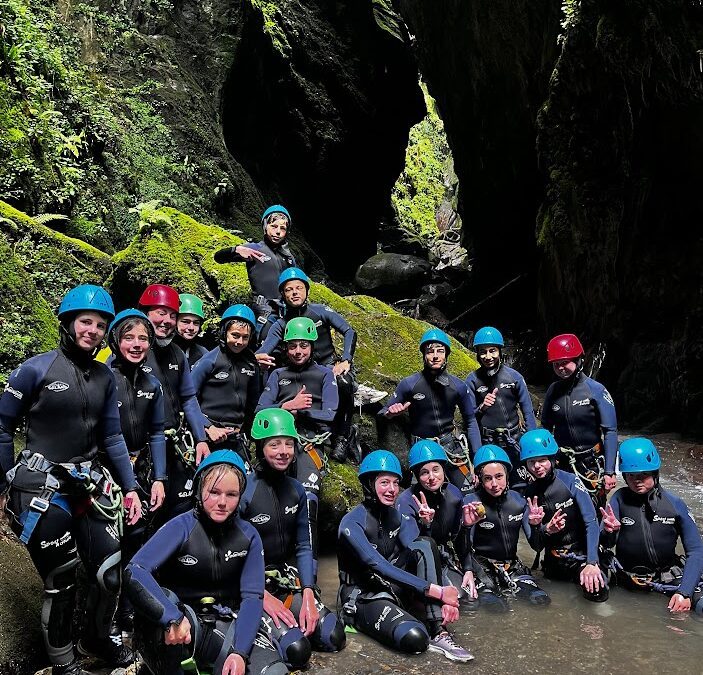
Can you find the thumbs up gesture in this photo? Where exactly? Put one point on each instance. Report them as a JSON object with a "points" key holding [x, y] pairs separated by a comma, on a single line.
{"points": [[302, 400], [490, 399]]}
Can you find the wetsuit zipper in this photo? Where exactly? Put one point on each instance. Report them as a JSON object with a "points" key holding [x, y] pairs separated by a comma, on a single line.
{"points": [[131, 410], [649, 542], [279, 521], [84, 405], [501, 525]]}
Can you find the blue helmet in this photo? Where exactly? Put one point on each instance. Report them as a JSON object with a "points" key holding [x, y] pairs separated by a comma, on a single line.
{"points": [[537, 443], [435, 335], [221, 457], [638, 455], [87, 297], [488, 336], [425, 451], [290, 274], [276, 208], [491, 453], [380, 461], [241, 312], [121, 316]]}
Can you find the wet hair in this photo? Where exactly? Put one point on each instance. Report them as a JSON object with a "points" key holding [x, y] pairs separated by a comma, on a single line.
{"points": [[217, 472], [276, 215]]}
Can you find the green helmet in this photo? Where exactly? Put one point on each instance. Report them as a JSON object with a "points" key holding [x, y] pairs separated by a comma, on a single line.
{"points": [[300, 328], [191, 304], [271, 422]]}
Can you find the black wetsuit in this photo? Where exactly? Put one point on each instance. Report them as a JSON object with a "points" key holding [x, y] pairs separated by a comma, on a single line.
{"points": [[494, 541], [228, 387], [645, 545], [69, 403], [191, 558], [500, 423], [385, 568], [193, 350], [277, 506], [169, 366], [576, 544], [433, 400], [324, 353]]}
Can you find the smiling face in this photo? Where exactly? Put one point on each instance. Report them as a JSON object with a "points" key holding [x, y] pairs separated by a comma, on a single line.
{"points": [[89, 329], [134, 342], [494, 478], [488, 356], [640, 483], [164, 321], [188, 326], [387, 488], [431, 476], [237, 336], [278, 452], [299, 351], [295, 293], [220, 493], [564, 368], [539, 467], [435, 356]]}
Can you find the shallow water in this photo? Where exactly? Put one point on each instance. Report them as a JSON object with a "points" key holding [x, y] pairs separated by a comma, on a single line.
{"points": [[630, 632]]}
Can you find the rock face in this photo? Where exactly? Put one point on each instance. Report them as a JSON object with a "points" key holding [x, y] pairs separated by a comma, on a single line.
{"points": [[393, 275]]}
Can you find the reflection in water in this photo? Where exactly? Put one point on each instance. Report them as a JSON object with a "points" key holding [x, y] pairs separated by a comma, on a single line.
{"points": [[631, 631]]}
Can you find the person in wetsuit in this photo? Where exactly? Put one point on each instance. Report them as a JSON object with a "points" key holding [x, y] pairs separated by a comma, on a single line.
{"points": [[185, 434], [580, 413], [431, 398], [198, 583], [497, 393], [570, 535], [62, 503], [494, 535], [188, 325], [228, 382], [436, 506], [141, 407], [390, 578], [294, 286], [265, 261], [644, 523], [277, 506]]}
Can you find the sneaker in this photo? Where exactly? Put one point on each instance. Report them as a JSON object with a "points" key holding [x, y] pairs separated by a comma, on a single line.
{"points": [[110, 650], [366, 395], [339, 450], [443, 643], [73, 668]]}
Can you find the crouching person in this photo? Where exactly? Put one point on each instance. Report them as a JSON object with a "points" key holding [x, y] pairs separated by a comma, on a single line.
{"points": [[197, 585], [390, 578]]}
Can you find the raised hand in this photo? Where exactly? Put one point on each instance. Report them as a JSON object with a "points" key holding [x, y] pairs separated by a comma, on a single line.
{"points": [[397, 409], [490, 399], [472, 513], [265, 360], [425, 513], [301, 401], [557, 523], [536, 514], [610, 522], [251, 254]]}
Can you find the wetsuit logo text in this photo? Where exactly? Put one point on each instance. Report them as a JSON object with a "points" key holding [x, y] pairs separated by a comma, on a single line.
{"points": [[17, 394], [148, 395], [564, 505], [63, 539], [234, 554], [188, 560], [222, 375], [261, 518], [57, 386]]}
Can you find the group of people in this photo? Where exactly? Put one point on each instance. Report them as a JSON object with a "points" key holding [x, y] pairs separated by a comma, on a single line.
{"points": [[187, 482]]}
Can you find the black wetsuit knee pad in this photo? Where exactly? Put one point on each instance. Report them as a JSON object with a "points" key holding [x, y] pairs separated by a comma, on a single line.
{"points": [[296, 653], [411, 637], [600, 596]]}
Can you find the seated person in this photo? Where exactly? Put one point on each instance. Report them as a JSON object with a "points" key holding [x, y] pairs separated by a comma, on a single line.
{"points": [[197, 585], [390, 577], [494, 531], [644, 522], [276, 505], [570, 537], [228, 382]]}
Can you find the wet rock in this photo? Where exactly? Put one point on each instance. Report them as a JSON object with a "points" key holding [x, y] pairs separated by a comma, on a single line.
{"points": [[392, 275]]}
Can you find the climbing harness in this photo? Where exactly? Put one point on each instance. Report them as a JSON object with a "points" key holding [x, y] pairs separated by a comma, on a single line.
{"points": [[592, 479], [311, 444], [183, 442]]}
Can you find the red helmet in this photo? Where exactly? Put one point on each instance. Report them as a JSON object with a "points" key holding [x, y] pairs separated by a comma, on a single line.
{"points": [[160, 295], [566, 346]]}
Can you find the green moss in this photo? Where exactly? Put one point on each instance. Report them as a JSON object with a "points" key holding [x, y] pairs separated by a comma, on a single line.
{"points": [[272, 17], [341, 492]]}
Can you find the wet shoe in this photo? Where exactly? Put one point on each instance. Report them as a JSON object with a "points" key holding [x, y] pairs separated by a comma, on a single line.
{"points": [[353, 445], [111, 650], [73, 668], [443, 643], [339, 450]]}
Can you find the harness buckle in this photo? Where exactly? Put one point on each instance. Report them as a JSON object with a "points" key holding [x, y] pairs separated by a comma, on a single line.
{"points": [[39, 504], [35, 461]]}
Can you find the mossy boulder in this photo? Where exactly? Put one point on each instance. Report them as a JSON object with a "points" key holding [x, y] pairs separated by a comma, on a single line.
{"points": [[37, 266]]}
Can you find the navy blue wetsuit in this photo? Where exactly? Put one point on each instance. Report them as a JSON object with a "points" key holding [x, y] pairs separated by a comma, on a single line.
{"points": [[577, 542], [277, 506], [384, 568], [500, 423], [191, 558], [494, 542], [650, 527], [433, 401], [69, 403], [580, 413], [169, 366], [228, 387], [193, 350]]}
